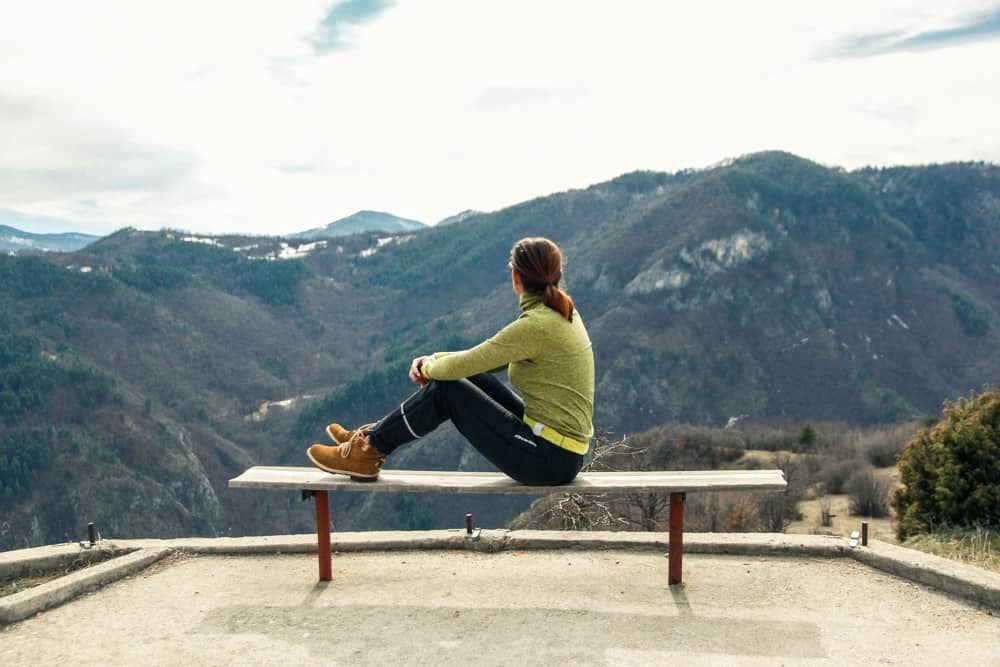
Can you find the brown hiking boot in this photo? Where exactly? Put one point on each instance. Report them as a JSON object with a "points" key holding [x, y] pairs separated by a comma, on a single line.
{"points": [[356, 458], [340, 435]]}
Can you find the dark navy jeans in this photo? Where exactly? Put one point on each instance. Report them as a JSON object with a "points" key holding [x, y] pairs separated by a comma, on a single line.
{"points": [[491, 417]]}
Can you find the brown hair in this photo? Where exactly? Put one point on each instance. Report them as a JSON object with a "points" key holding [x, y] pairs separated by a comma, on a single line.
{"points": [[538, 262]]}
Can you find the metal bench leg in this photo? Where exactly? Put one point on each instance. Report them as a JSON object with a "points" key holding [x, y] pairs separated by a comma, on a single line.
{"points": [[323, 533], [676, 538]]}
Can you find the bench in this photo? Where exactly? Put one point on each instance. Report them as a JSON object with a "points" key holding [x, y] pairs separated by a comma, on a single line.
{"points": [[317, 484]]}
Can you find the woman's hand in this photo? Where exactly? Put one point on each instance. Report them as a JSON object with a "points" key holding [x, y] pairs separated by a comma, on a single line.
{"points": [[415, 374]]}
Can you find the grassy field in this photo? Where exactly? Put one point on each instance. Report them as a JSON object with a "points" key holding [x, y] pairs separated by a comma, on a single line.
{"points": [[975, 546]]}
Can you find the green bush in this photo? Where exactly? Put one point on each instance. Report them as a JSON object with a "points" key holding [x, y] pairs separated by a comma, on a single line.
{"points": [[807, 436], [951, 471]]}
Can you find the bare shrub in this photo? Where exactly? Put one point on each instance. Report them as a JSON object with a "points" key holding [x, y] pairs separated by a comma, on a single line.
{"points": [[883, 445], [772, 511], [600, 511], [836, 473], [869, 494], [883, 455], [735, 512], [825, 513], [705, 512], [813, 464], [743, 515], [646, 511], [766, 436], [797, 479]]}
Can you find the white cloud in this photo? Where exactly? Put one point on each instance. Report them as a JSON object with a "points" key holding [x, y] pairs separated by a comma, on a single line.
{"points": [[223, 116]]}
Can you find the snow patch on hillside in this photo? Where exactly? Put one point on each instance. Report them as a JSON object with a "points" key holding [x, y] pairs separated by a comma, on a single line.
{"points": [[207, 240], [287, 251], [898, 321], [381, 241]]}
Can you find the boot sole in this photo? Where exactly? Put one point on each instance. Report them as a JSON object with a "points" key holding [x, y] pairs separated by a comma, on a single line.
{"points": [[353, 475]]}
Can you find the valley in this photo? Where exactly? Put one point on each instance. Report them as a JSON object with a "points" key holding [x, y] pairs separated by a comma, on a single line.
{"points": [[770, 289]]}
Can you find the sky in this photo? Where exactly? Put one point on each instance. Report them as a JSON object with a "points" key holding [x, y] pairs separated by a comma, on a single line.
{"points": [[276, 117]]}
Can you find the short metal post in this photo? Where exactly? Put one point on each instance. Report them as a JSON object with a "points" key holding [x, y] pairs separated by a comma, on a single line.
{"points": [[864, 533], [468, 524], [676, 541], [323, 533], [91, 533]]}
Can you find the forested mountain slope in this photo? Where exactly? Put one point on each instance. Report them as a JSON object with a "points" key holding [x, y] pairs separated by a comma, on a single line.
{"points": [[139, 374]]}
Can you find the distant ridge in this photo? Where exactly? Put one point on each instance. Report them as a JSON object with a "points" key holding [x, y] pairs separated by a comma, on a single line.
{"points": [[459, 217], [13, 239], [362, 221]]}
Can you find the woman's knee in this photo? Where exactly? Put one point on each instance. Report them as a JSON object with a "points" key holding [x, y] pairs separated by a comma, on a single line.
{"points": [[446, 393], [450, 388]]}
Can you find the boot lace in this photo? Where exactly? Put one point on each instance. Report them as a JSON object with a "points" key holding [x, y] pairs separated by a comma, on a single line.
{"points": [[360, 433]]}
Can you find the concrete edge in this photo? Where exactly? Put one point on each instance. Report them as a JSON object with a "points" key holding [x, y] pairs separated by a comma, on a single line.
{"points": [[27, 603], [965, 581], [756, 544], [306, 543], [41, 560], [968, 582]]}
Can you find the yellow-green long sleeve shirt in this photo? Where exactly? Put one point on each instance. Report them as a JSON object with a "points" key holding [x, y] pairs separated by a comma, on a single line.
{"points": [[549, 360]]}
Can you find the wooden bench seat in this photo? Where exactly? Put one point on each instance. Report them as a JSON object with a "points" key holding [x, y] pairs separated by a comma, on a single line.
{"points": [[318, 484]]}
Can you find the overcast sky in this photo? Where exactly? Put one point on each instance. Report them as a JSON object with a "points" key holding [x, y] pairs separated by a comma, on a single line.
{"points": [[275, 117]]}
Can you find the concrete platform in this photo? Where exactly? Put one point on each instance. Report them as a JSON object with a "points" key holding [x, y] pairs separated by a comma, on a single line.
{"points": [[571, 606]]}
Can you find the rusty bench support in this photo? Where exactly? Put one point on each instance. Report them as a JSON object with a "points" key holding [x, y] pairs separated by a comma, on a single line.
{"points": [[323, 534], [676, 540]]}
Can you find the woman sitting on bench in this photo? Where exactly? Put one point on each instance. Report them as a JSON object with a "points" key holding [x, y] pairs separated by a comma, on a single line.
{"points": [[540, 440]]}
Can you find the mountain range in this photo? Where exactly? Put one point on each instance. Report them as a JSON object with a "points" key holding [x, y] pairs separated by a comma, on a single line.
{"points": [[12, 239], [145, 370]]}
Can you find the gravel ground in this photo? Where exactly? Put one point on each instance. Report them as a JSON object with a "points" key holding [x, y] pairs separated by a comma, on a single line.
{"points": [[510, 608]]}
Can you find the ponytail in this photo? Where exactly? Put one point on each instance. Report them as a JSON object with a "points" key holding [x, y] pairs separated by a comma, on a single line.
{"points": [[559, 301]]}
